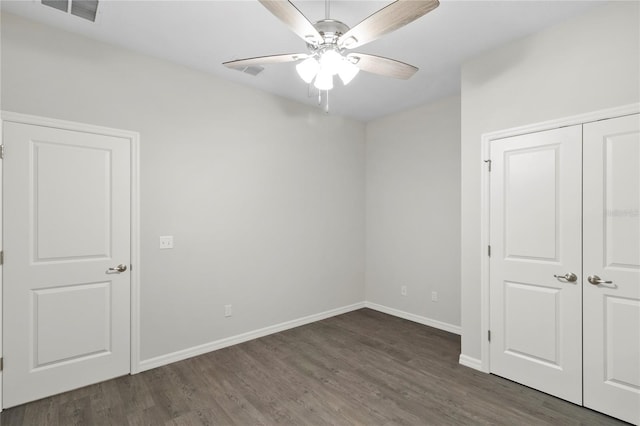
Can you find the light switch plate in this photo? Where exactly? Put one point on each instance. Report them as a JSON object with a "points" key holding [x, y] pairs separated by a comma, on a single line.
{"points": [[166, 242]]}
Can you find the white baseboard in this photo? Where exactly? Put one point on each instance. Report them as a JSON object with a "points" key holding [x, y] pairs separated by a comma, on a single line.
{"points": [[470, 362], [415, 318], [161, 360]]}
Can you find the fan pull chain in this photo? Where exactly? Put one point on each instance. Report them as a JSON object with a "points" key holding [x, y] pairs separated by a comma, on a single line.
{"points": [[326, 107]]}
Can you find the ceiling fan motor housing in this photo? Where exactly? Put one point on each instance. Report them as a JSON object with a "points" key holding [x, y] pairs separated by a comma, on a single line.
{"points": [[330, 30]]}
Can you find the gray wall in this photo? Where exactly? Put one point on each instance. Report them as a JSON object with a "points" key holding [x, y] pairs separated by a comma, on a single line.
{"points": [[413, 211], [265, 197], [583, 65]]}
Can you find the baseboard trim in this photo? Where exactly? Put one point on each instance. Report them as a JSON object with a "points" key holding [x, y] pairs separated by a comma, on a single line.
{"points": [[161, 360], [470, 362], [415, 318]]}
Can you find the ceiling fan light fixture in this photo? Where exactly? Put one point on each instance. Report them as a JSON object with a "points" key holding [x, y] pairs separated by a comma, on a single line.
{"points": [[324, 80], [308, 69], [347, 71]]}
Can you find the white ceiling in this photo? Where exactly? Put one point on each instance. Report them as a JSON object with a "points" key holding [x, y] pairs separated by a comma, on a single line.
{"points": [[203, 34]]}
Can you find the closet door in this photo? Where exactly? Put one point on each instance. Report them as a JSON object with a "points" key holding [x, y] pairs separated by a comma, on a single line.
{"points": [[535, 235], [611, 281]]}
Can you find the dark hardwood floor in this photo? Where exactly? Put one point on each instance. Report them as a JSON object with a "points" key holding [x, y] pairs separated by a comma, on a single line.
{"points": [[363, 367]]}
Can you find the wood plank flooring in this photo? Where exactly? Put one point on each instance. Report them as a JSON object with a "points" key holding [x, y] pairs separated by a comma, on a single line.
{"points": [[363, 367]]}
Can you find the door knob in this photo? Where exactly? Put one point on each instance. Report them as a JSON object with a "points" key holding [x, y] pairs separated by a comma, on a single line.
{"points": [[120, 268], [595, 280], [568, 277]]}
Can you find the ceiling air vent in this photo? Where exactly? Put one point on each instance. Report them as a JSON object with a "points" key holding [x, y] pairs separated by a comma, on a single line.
{"points": [[85, 9], [253, 70]]}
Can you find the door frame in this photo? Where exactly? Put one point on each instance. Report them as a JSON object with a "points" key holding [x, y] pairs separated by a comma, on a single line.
{"points": [[134, 150], [484, 363]]}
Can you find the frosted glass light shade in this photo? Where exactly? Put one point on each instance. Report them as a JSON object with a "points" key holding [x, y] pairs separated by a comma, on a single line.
{"points": [[324, 80], [330, 61], [308, 69], [347, 71]]}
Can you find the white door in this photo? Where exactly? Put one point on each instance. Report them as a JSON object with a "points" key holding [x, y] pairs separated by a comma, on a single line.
{"points": [[535, 234], [66, 223], [612, 253]]}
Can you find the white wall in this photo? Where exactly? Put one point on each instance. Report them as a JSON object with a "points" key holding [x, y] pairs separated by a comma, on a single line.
{"points": [[413, 211], [585, 64], [265, 197]]}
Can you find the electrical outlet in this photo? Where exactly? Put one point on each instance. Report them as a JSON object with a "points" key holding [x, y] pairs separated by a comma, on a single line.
{"points": [[434, 296], [166, 242], [228, 310], [403, 290]]}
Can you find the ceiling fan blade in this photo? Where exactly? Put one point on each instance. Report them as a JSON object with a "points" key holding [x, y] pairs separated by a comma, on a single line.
{"points": [[388, 19], [265, 60], [382, 66], [294, 19]]}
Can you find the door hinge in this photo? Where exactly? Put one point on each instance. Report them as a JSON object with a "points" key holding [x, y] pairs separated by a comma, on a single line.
{"points": [[489, 335], [1, 151], [1, 257], [1, 364], [489, 163], [489, 251]]}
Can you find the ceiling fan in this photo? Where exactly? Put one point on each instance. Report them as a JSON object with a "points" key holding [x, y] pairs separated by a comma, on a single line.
{"points": [[328, 41]]}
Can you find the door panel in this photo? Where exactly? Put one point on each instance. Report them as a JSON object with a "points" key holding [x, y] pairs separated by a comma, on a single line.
{"points": [[84, 330], [612, 252], [82, 209], [532, 310], [621, 322], [530, 203], [535, 232], [66, 222]]}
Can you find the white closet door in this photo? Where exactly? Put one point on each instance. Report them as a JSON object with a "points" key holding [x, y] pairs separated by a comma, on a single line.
{"points": [[536, 321], [612, 253], [66, 223]]}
